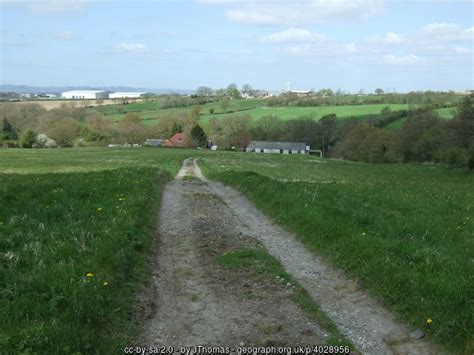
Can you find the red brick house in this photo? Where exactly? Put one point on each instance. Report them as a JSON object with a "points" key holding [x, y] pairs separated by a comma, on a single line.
{"points": [[179, 140]]}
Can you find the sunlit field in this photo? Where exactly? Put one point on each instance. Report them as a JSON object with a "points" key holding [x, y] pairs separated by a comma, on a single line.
{"points": [[403, 231]]}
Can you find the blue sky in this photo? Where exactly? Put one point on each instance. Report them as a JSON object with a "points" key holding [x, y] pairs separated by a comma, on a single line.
{"points": [[347, 44]]}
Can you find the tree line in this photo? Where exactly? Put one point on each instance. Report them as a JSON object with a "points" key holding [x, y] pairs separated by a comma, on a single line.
{"points": [[424, 136], [327, 98]]}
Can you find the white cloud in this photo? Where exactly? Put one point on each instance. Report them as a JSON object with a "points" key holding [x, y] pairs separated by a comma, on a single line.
{"points": [[402, 60], [49, 6], [293, 35], [132, 48], [387, 38], [442, 32], [282, 13]]}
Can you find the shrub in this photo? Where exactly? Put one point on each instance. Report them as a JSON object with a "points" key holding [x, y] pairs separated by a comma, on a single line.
{"points": [[27, 139], [453, 156]]}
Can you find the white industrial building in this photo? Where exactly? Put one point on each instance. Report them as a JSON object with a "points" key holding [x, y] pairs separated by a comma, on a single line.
{"points": [[85, 95], [126, 95]]}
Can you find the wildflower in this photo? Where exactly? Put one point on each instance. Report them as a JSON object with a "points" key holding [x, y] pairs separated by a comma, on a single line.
{"points": [[105, 283], [363, 233], [429, 321], [89, 274], [99, 209]]}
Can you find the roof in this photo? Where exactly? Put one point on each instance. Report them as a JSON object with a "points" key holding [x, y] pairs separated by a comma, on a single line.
{"points": [[83, 91], [276, 145], [300, 91], [179, 140], [127, 93], [153, 142]]}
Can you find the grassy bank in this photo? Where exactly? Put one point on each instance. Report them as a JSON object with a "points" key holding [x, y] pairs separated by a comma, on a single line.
{"points": [[405, 232], [76, 233]]}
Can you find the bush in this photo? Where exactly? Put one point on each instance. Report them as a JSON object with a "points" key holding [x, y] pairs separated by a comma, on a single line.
{"points": [[27, 139], [453, 156], [368, 144], [470, 160]]}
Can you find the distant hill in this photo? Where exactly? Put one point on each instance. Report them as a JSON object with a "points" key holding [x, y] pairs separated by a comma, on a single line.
{"points": [[24, 89]]}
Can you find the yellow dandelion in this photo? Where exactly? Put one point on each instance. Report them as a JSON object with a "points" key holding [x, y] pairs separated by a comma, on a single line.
{"points": [[429, 321], [99, 209], [105, 283], [89, 274]]}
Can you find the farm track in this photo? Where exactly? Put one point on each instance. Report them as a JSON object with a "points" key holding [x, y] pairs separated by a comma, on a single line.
{"points": [[195, 302]]}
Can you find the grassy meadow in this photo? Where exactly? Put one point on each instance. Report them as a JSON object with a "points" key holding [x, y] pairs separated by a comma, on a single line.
{"points": [[405, 232], [256, 108], [150, 111], [76, 232]]}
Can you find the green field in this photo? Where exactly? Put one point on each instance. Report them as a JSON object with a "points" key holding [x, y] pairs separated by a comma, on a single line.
{"points": [[444, 113], [76, 231], [404, 232], [150, 112], [288, 113], [256, 109]]}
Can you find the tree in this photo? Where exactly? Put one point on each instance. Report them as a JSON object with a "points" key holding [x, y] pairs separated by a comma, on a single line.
{"points": [[231, 131], [203, 91], [198, 136], [225, 104], [369, 144], [8, 130], [464, 123], [379, 91], [327, 132], [97, 128], [27, 139], [131, 118], [195, 112], [247, 89], [177, 128], [232, 91], [268, 128], [417, 129], [325, 92], [63, 130]]}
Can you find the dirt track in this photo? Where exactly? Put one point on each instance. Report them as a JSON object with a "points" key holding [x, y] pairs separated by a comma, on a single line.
{"points": [[199, 303]]}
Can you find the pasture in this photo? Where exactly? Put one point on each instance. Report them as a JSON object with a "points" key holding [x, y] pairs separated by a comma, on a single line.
{"points": [[255, 109], [76, 232], [404, 232], [150, 112]]}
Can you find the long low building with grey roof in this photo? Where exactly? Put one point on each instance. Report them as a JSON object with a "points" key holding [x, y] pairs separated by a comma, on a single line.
{"points": [[277, 147]]}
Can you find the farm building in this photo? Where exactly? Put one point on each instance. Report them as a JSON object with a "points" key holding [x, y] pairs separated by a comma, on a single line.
{"points": [[126, 95], [179, 140], [85, 95], [300, 92], [150, 142], [277, 147]]}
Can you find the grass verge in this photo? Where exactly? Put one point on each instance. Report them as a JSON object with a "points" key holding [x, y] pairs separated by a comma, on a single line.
{"points": [[73, 253]]}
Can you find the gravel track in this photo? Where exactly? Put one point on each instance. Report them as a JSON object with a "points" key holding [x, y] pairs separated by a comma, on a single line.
{"points": [[181, 276]]}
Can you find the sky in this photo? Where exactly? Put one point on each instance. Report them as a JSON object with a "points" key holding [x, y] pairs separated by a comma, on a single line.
{"points": [[402, 45]]}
